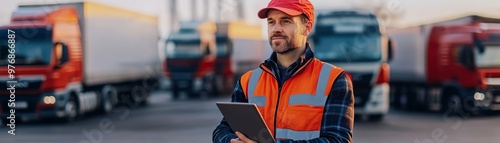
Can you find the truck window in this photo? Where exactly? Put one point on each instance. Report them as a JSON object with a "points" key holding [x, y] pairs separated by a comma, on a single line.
{"points": [[489, 58], [348, 48], [33, 50], [183, 50], [347, 37]]}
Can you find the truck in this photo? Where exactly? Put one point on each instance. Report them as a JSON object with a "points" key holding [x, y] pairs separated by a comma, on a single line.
{"points": [[63, 60], [207, 58], [355, 41], [450, 66]]}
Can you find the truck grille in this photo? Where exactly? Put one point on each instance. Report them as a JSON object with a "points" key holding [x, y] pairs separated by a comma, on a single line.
{"points": [[23, 85], [361, 95], [30, 99], [361, 78]]}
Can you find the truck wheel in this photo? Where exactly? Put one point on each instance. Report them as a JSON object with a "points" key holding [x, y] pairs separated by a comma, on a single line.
{"points": [[175, 92], [403, 101], [375, 117], [216, 86], [71, 108], [139, 95], [175, 95], [109, 98], [452, 103], [208, 87], [407, 101]]}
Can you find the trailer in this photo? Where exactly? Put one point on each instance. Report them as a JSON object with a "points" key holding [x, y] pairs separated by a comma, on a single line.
{"points": [[74, 58], [449, 66]]}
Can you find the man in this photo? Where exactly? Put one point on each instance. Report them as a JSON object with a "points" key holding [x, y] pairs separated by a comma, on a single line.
{"points": [[301, 99]]}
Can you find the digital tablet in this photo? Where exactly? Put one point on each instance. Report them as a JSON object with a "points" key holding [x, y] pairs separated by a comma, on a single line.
{"points": [[246, 118]]}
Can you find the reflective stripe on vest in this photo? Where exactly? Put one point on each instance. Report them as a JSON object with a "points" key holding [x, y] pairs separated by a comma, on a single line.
{"points": [[314, 100], [252, 83], [296, 135]]}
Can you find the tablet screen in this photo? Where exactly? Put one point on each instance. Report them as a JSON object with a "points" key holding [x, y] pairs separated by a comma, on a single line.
{"points": [[245, 118]]}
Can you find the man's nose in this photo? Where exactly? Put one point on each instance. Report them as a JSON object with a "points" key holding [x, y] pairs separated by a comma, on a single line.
{"points": [[276, 28]]}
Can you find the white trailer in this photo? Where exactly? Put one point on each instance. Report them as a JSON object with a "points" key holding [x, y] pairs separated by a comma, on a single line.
{"points": [[100, 55]]}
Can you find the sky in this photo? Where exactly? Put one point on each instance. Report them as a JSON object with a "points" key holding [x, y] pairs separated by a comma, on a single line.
{"points": [[403, 12]]}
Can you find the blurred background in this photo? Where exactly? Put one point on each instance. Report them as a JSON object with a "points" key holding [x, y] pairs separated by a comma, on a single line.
{"points": [[106, 71]]}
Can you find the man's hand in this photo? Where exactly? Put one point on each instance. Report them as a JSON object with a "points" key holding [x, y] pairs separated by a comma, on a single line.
{"points": [[241, 139]]}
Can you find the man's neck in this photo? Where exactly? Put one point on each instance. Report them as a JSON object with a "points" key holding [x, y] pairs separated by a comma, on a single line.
{"points": [[287, 59]]}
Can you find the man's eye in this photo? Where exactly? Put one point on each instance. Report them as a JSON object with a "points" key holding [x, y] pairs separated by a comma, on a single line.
{"points": [[287, 21], [270, 22]]}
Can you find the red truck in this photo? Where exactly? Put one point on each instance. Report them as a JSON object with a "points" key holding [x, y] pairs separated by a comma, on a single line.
{"points": [[204, 57], [68, 59], [452, 66]]}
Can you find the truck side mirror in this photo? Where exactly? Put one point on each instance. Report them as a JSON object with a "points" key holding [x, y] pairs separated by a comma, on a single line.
{"points": [[466, 57], [390, 50], [62, 55], [479, 44]]}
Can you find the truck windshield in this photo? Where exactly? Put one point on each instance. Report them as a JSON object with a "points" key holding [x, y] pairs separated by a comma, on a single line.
{"points": [[489, 58], [175, 49], [32, 47], [348, 47], [183, 49]]}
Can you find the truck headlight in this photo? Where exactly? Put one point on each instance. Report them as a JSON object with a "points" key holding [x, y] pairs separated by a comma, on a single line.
{"points": [[479, 96], [198, 83], [49, 99]]}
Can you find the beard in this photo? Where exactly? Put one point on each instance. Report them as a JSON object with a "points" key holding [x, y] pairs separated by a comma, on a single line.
{"points": [[280, 46]]}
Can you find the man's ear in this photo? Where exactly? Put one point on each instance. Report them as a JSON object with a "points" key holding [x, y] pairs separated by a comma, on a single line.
{"points": [[307, 28]]}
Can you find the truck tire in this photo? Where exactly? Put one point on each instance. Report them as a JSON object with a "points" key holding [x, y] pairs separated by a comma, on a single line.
{"points": [[375, 117], [71, 108], [452, 102], [217, 86], [175, 91], [109, 96], [139, 95], [407, 100], [207, 88]]}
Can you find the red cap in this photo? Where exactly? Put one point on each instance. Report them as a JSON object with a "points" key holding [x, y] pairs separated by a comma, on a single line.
{"points": [[290, 7]]}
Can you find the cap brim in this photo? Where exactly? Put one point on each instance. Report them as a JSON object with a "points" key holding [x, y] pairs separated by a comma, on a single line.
{"points": [[263, 12]]}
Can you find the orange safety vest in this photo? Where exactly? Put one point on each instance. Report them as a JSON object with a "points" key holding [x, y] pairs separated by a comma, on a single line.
{"points": [[295, 110]]}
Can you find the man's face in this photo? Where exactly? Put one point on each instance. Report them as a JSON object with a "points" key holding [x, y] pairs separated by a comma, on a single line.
{"points": [[286, 32]]}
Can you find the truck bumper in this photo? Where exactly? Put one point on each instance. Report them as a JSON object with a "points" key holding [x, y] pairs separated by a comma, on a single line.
{"points": [[486, 99], [43, 114], [32, 107], [378, 101], [192, 85], [174, 83]]}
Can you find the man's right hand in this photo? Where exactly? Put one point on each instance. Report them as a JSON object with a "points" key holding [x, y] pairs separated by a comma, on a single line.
{"points": [[241, 139], [236, 140]]}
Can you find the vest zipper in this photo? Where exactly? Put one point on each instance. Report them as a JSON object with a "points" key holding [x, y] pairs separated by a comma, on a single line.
{"points": [[279, 95], [276, 112], [277, 103]]}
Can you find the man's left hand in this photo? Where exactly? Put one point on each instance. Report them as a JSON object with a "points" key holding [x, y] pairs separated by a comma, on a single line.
{"points": [[242, 139]]}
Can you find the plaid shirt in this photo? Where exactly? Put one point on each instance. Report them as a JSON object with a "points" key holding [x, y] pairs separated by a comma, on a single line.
{"points": [[338, 117]]}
